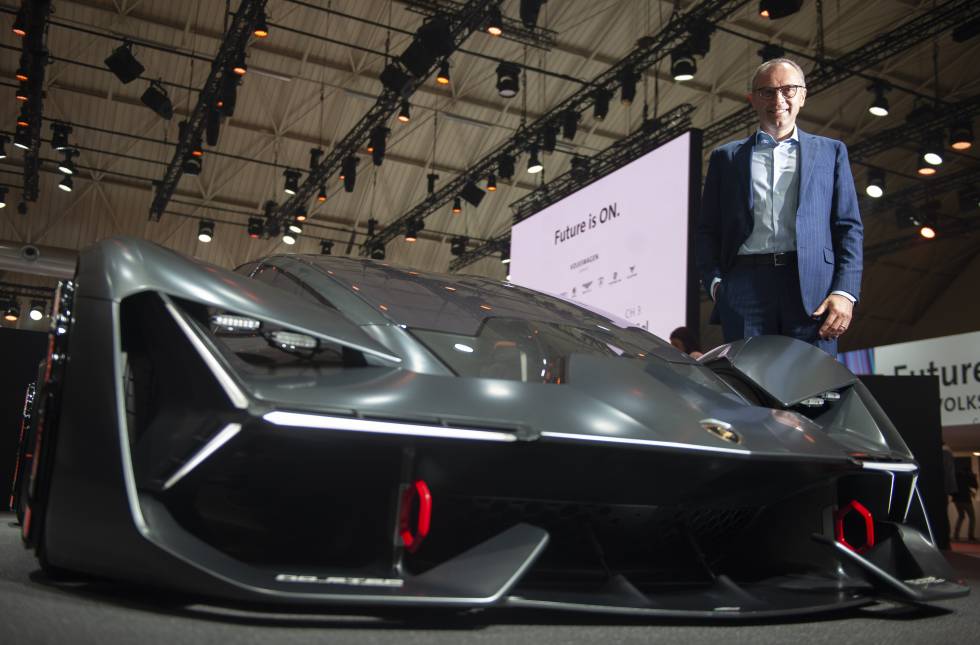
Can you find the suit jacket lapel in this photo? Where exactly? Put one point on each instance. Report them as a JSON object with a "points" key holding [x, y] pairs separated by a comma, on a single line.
{"points": [[743, 162], [808, 154]]}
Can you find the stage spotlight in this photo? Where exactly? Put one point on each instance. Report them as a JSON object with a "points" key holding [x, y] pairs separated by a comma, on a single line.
{"points": [[4, 140], [37, 310], [569, 124], [505, 167], [879, 105], [580, 167], [255, 227], [22, 93], [549, 138], [228, 94], [472, 193], [322, 195], [932, 152], [682, 65], [411, 232], [315, 155], [495, 22], [20, 24], [775, 9], [770, 51], [300, 213], [405, 114], [261, 29], [876, 183], [23, 120], [240, 67], [326, 247], [59, 135], [601, 107], [508, 79], [457, 245], [197, 150], [534, 165], [3, 196], [295, 226], [505, 253], [291, 184], [430, 182], [155, 97], [192, 166], [12, 312], [491, 183], [66, 165], [961, 135], [457, 206], [529, 12], [442, 78], [289, 238], [627, 92], [123, 63], [205, 231], [372, 227], [349, 172], [67, 184], [378, 251], [378, 144], [22, 138], [928, 228]]}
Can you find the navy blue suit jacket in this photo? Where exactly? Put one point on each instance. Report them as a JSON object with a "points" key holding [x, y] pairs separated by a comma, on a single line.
{"points": [[829, 233]]}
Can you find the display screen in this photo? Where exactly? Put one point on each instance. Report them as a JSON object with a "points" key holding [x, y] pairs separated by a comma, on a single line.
{"points": [[621, 244]]}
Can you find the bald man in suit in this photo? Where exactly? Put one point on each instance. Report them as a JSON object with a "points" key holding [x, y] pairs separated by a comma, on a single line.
{"points": [[779, 237]]}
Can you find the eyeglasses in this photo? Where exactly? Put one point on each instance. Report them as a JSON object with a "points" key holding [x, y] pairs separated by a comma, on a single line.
{"points": [[788, 91]]}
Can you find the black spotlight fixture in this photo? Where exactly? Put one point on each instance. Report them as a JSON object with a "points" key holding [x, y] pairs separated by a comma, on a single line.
{"points": [[580, 168], [769, 51], [59, 135], [411, 231], [627, 90], [961, 136], [876, 183], [879, 104], [4, 140], [682, 65], [932, 150], [3, 196], [255, 227], [430, 182], [505, 253], [505, 167], [67, 184], [322, 195], [23, 92], [288, 237], [37, 310], [291, 184], [326, 247], [442, 78], [457, 206], [405, 113], [529, 12], [123, 63], [601, 107], [205, 231], [491, 183], [20, 24], [534, 165], [457, 245], [569, 124], [22, 138], [549, 139], [261, 29], [228, 94], [495, 22], [240, 67], [300, 213], [155, 97], [508, 79], [295, 226], [776, 9], [315, 155], [67, 166], [348, 169], [23, 119], [11, 311], [378, 251], [377, 144], [192, 166], [472, 193]]}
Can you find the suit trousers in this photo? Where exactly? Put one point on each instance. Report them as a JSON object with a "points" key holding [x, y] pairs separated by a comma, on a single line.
{"points": [[754, 300]]}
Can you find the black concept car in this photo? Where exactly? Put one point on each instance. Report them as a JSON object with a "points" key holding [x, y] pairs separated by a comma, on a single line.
{"points": [[324, 431]]}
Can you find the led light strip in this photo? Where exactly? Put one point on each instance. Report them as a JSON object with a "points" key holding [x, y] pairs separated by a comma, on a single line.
{"points": [[235, 394], [304, 420], [891, 467], [209, 449], [643, 442]]}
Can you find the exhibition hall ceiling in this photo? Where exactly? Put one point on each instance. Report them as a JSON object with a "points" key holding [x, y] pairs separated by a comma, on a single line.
{"points": [[317, 74]]}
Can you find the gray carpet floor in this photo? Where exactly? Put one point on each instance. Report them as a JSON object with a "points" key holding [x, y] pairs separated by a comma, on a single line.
{"points": [[34, 609]]}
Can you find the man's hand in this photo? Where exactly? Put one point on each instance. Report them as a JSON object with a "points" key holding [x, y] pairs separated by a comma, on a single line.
{"points": [[839, 311]]}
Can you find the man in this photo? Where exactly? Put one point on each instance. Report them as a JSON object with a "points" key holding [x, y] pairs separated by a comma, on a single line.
{"points": [[779, 238]]}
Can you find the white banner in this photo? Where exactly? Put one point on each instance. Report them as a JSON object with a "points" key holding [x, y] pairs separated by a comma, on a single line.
{"points": [[954, 359]]}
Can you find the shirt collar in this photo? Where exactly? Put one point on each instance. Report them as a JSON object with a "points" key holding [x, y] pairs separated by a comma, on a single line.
{"points": [[764, 138]]}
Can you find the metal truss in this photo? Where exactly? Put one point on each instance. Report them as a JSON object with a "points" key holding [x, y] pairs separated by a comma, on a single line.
{"points": [[461, 24], [915, 130], [646, 53], [34, 56], [513, 29], [831, 72], [233, 44], [669, 126], [920, 194], [955, 229]]}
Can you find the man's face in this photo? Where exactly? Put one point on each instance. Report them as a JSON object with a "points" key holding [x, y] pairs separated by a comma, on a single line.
{"points": [[777, 115]]}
